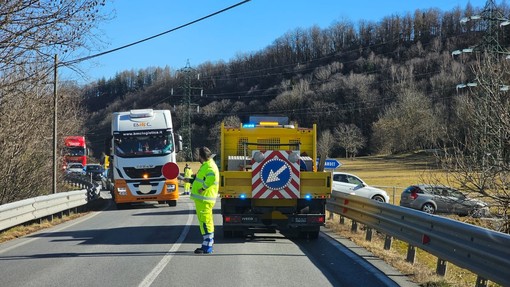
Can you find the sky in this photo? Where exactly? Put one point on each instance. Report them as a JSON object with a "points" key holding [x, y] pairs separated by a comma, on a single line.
{"points": [[247, 28]]}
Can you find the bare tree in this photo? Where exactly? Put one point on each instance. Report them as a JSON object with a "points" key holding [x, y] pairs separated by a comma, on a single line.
{"points": [[350, 138], [31, 32], [479, 156], [214, 135], [294, 102], [25, 139], [410, 123], [326, 143]]}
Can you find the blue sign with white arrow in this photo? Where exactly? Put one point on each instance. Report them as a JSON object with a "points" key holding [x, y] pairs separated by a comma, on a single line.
{"points": [[331, 163], [275, 174]]}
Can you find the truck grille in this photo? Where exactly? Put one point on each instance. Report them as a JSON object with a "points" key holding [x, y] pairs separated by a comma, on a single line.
{"points": [[132, 172]]}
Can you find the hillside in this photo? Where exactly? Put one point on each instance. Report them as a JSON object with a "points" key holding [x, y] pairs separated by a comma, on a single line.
{"points": [[394, 80]]}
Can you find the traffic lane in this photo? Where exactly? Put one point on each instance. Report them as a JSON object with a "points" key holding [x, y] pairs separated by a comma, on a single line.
{"points": [[152, 247], [109, 248], [264, 260], [268, 260]]}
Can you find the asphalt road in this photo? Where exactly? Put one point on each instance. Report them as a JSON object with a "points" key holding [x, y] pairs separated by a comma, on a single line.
{"points": [[152, 245]]}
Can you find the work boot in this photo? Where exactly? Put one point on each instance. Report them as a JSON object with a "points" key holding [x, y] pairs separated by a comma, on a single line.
{"points": [[202, 251]]}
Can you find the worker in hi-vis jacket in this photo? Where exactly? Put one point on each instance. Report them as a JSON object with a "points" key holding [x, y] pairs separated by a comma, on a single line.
{"points": [[204, 191], [188, 172]]}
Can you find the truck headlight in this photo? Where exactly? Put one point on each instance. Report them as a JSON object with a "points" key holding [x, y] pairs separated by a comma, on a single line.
{"points": [[170, 187]]}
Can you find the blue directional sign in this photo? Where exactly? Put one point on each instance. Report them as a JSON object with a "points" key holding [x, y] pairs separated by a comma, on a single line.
{"points": [[331, 163], [275, 174]]}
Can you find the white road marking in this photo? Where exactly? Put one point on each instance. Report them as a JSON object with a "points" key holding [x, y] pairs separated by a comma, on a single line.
{"points": [[149, 279]]}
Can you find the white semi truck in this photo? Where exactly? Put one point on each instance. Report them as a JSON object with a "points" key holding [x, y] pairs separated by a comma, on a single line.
{"points": [[142, 141]]}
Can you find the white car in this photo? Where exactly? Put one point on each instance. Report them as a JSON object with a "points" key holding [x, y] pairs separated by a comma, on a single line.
{"points": [[74, 168], [351, 184]]}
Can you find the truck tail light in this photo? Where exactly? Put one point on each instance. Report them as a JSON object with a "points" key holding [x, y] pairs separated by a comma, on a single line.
{"points": [[232, 219], [316, 219]]}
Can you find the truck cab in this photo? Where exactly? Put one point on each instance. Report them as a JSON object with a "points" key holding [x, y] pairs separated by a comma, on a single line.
{"points": [[142, 142]]}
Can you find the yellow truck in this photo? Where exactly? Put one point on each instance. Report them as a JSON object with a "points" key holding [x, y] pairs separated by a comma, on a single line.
{"points": [[269, 179]]}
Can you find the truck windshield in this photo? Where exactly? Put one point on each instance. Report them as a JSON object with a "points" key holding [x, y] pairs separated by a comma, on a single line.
{"points": [[75, 151], [136, 146]]}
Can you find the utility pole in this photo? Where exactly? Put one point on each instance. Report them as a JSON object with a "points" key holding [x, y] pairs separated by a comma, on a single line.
{"points": [[191, 77], [55, 125]]}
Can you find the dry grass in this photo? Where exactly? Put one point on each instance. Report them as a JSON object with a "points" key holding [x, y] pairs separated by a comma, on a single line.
{"points": [[394, 173], [421, 272]]}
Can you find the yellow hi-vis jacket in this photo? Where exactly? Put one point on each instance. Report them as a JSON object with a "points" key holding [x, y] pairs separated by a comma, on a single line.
{"points": [[207, 178], [188, 172]]}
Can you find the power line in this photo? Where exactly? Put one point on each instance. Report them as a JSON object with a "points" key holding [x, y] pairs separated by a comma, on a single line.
{"points": [[154, 36]]}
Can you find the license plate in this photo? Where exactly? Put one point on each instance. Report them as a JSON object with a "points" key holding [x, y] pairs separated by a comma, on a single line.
{"points": [[248, 219], [145, 188], [300, 219]]}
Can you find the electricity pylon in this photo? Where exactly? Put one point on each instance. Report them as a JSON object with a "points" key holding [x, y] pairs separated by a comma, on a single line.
{"points": [[190, 78]]}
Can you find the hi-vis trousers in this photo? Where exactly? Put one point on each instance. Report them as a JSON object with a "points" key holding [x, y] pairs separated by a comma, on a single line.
{"points": [[204, 211]]}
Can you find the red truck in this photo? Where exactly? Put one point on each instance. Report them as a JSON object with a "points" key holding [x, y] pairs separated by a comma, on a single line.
{"points": [[75, 150]]}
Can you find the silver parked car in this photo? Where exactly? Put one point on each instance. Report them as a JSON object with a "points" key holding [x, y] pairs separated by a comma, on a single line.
{"points": [[441, 199], [351, 184]]}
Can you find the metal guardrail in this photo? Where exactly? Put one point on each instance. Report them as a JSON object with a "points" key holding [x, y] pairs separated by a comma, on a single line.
{"points": [[479, 250], [19, 212], [84, 181]]}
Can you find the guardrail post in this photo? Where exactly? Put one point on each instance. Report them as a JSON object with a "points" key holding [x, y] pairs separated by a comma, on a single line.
{"points": [[368, 236], [387, 242], [441, 267], [330, 217], [481, 282], [342, 220], [354, 227], [411, 254]]}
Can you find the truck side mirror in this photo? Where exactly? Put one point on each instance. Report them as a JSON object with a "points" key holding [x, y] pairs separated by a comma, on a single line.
{"points": [[178, 142]]}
